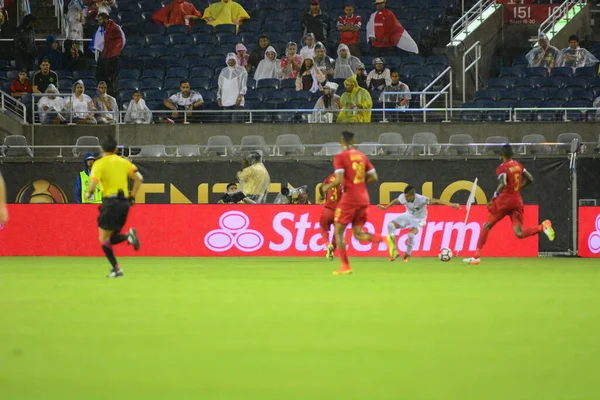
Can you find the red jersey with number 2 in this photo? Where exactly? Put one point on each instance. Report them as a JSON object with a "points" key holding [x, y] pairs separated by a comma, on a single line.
{"points": [[333, 195], [513, 170], [355, 166]]}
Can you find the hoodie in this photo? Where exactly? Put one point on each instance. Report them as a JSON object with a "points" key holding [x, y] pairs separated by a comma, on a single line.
{"points": [[345, 67], [25, 38], [80, 106], [78, 179], [257, 55], [357, 97], [56, 104], [268, 69], [286, 63], [241, 61], [232, 83], [54, 56]]}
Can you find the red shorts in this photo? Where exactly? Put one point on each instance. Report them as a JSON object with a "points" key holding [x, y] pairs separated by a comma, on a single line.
{"points": [[347, 213], [327, 217], [505, 205]]}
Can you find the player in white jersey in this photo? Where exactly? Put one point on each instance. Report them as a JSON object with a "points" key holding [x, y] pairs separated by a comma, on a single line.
{"points": [[414, 218]]}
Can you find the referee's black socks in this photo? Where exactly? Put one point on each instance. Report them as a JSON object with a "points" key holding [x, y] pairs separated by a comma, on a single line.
{"points": [[107, 248], [118, 238]]}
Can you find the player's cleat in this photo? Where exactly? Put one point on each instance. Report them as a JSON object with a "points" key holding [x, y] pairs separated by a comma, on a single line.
{"points": [[330, 250], [115, 274], [472, 260], [391, 242], [406, 258], [548, 230], [344, 270], [133, 240]]}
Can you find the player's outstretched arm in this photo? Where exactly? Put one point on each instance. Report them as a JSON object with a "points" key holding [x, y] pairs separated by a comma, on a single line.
{"points": [[3, 208], [445, 203], [528, 179], [392, 203]]}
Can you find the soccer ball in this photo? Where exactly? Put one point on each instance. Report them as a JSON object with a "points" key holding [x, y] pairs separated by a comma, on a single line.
{"points": [[445, 255]]}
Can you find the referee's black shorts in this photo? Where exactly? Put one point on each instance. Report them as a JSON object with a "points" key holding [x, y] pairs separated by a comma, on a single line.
{"points": [[113, 213]]}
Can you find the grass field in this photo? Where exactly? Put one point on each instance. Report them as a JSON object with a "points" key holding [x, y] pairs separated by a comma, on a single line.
{"points": [[285, 329]]}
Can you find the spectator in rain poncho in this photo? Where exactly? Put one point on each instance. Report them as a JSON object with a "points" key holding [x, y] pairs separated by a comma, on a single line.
{"points": [[258, 54], [380, 77], [232, 84], [401, 101], [106, 106], [52, 53], [96, 7], [345, 64], [291, 63], [76, 19], [325, 63], [309, 46], [177, 12], [574, 56], [270, 67], [254, 177], [242, 55], [354, 101], [310, 77], [328, 104], [544, 55], [225, 12], [81, 105], [137, 110], [51, 108]]}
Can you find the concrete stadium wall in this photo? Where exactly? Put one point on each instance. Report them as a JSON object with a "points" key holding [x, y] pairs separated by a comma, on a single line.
{"points": [[580, 25], [309, 133]]}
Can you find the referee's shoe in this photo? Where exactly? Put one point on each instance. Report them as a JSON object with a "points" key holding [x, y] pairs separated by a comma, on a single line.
{"points": [[132, 239]]}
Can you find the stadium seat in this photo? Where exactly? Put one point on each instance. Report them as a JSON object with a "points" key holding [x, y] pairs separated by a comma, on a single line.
{"points": [[566, 139], [301, 94], [254, 142], [581, 81], [578, 115], [553, 82], [556, 94], [536, 148], [202, 27], [467, 115], [487, 94], [179, 41], [151, 83], [253, 27], [561, 71], [329, 149], [494, 144], [86, 144], [533, 95], [520, 61], [536, 71], [177, 72], [189, 150], [424, 142], [550, 115], [459, 145], [154, 94], [226, 39], [157, 41], [152, 151], [156, 73], [497, 83], [267, 84], [220, 145], [289, 144], [178, 30], [287, 84], [129, 74], [591, 72], [284, 117], [15, 140], [392, 143], [368, 148], [129, 84], [226, 28], [581, 94], [65, 85], [512, 72]]}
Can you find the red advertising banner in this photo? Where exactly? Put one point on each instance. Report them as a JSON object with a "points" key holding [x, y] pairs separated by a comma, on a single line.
{"points": [[257, 230], [527, 14], [589, 232]]}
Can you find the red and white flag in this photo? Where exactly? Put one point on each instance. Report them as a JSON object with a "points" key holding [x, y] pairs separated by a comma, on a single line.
{"points": [[400, 37]]}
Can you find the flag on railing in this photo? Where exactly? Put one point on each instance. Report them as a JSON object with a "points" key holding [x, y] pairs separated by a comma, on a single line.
{"points": [[400, 37], [471, 198]]}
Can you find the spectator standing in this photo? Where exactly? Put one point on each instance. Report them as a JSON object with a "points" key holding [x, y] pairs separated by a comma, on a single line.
{"points": [[291, 63], [25, 49], [543, 55], [96, 7], [385, 33], [6, 48], [114, 41], [73, 56], [574, 56], [309, 46], [44, 77], [316, 22], [177, 12], [242, 55], [328, 104], [258, 54], [356, 103], [20, 85], [349, 26], [106, 106], [52, 53], [269, 67], [137, 110], [81, 105], [310, 77], [325, 63], [225, 12], [400, 101], [380, 77], [345, 64], [185, 100], [254, 178], [76, 19], [232, 84], [83, 182], [51, 108], [361, 75]]}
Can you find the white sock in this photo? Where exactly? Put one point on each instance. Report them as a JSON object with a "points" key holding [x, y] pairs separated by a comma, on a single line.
{"points": [[411, 241], [391, 228]]}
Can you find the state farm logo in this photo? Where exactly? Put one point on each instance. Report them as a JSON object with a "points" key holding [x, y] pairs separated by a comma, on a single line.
{"points": [[594, 239], [234, 232]]}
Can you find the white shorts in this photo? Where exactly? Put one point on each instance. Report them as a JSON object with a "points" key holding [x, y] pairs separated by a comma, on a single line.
{"points": [[406, 220]]}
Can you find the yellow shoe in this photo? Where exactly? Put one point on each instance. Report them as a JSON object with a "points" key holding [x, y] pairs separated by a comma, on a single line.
{"points": [[344, 270], [330, 250], [548, 230], [391, 242]]}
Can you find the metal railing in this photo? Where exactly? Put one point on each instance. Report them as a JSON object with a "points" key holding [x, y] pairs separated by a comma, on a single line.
{"points": [[475, 13], [563, 11], [446, 91], [474, 64], [12, 106]]}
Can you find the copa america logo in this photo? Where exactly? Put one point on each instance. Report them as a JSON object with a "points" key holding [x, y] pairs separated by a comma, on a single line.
{"points": [[234, 232], [594, 239]]}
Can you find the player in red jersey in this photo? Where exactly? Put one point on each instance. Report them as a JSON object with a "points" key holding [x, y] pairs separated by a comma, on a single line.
{"points": [[507, 200], [3, 209], [355, 170], [332, 197]]}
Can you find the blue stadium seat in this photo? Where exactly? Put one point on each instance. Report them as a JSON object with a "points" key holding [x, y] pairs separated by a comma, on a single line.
{"points": [[227, 39], [277, 95], [158, 41], [497, 83], [251, 83], [171, 53], [488, 94], [150, 28], [136, 41], [550, 115], [274, 27], [580, 81], [254, 95], [156, 73], [146, 53], [251, 27], [125, 95], [89, 83], [527, 115], [556, 94], [423, 71], [520, 61], [200, 83], [579, 115], [172, 83], [302, 95], [178, 30], [151, 83], [556, 82], [129, 84], [214, 84], [202, 27], [536, 71], [65, 85], [201, 72], [287, 84], [561, 71], [154, 95], [581, 94], [182, 40], [494, 115], [226, 28], [533, 95], [471, 115], [284, 117], [512, 72], [413, 61], [591, 72], [177, 71]]}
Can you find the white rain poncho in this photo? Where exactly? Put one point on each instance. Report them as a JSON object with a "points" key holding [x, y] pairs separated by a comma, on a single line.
{"points": [[105, 116], [575, 58], [345, 67], [268, 69], [232, 82], [81, 105], [138, 113], [55, 105], [317, 76], [306, 49], [75, 18], [542, 57]]}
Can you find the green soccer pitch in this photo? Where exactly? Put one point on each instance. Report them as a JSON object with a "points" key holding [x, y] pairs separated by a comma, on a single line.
{"points": [[286, 329]]}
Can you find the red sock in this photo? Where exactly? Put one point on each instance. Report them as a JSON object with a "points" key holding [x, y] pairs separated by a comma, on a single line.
{"points": [[375, 238], [481, 242], [344, 256], [325, 236], [531, 231]]}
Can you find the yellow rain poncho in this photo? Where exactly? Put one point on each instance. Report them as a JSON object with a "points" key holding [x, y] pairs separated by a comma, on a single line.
{"points": [[359, 97], [225, 12]]}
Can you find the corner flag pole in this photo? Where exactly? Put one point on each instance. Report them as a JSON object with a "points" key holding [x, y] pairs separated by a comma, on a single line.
{"points": [[470, 200]]}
